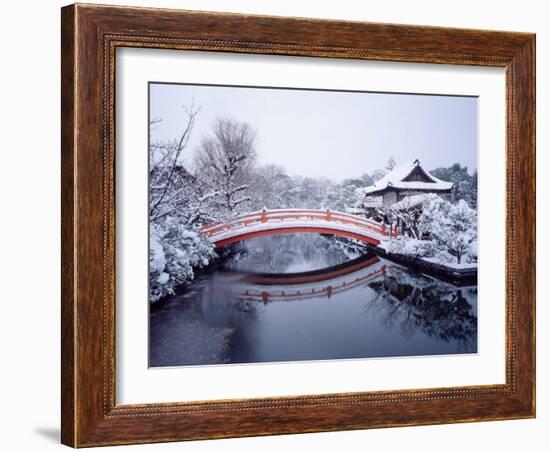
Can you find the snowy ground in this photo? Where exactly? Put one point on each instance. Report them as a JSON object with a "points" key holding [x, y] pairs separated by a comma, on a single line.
{"points": [[422, 249], [463, 265]]}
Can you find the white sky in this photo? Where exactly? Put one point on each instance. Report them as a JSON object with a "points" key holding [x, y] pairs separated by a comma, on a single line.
{"points": [[333, 134]]}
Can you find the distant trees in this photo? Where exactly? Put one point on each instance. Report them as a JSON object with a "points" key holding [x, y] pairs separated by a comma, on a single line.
{"points": [[225, 163], [465, 184], [366, 179], [308, 192], [377, 175], [340, 197], [271, 185]]}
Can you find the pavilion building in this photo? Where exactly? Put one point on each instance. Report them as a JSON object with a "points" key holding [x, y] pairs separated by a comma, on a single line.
{"points": [[409, 180]]}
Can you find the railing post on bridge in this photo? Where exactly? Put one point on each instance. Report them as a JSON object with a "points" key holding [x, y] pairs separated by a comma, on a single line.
{"points": [[328, 215], [264, 215]]}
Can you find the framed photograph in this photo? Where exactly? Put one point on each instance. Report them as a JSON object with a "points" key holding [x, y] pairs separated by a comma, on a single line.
{"points": [[281, 225]]}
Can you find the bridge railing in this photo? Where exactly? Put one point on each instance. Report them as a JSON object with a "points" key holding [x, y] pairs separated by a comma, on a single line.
{"points": [[306, 212], [281, 215]]}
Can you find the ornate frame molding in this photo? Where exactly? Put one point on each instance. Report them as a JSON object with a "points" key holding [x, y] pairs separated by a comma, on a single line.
{"points": [[90, 37]]}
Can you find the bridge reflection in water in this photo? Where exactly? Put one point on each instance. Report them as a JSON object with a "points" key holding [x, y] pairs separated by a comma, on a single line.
{"points": [[366, 307], [311, 284]]}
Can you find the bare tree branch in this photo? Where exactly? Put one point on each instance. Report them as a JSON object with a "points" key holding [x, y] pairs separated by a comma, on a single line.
{"points": [[174, 155]]}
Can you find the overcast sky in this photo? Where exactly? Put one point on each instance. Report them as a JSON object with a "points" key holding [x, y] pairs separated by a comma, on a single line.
{"points": [[333, 134]]}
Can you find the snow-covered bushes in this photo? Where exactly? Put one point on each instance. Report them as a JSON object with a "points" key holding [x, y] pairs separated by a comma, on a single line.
{"points": [[411, 247], [453, 226], [472, 252], [452, 231], [174, 252], [426, 249]]}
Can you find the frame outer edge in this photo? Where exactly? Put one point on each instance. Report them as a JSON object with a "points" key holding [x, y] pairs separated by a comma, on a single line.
{"points": [[86, 418], [68, 242], [534, 223], [525, 62]]}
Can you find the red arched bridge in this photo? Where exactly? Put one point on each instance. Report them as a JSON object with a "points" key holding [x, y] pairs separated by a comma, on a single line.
{"points": [[290, 221]]}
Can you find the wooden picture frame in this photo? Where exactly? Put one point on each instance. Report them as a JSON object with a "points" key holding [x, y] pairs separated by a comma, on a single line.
{"points": [[90, 36]]}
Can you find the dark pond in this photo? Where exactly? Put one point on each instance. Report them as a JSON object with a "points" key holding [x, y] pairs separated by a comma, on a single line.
{"points": [[310, 297]]}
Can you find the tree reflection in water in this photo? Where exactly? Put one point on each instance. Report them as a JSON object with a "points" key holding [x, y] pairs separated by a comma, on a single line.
{"points": [[411, 301], [290, 253]]}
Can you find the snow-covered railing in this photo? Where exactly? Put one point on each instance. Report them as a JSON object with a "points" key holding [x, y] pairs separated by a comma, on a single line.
{"points": [[279, 215], [285, 218]]}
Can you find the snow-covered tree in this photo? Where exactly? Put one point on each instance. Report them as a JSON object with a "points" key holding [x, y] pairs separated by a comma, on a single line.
{"points": [[378, 174], [340, 197], [270, 187], [390, 165], [307, 192], [178, 204], [225, 163], [169, 182], [464, 184], [174, 251], [451, 225], [388, 216], [405, 221]]}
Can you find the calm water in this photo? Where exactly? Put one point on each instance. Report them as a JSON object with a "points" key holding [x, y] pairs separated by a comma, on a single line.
{"points": [[308, 297]]}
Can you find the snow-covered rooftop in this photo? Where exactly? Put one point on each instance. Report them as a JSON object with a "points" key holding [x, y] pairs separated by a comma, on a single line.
{"points": [[397, 179]]}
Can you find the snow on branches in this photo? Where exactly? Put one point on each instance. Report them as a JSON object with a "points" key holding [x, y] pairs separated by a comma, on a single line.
{"points": [[433, 229], [454, 226], [174, 252], [177, 204], [225, 162]]}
